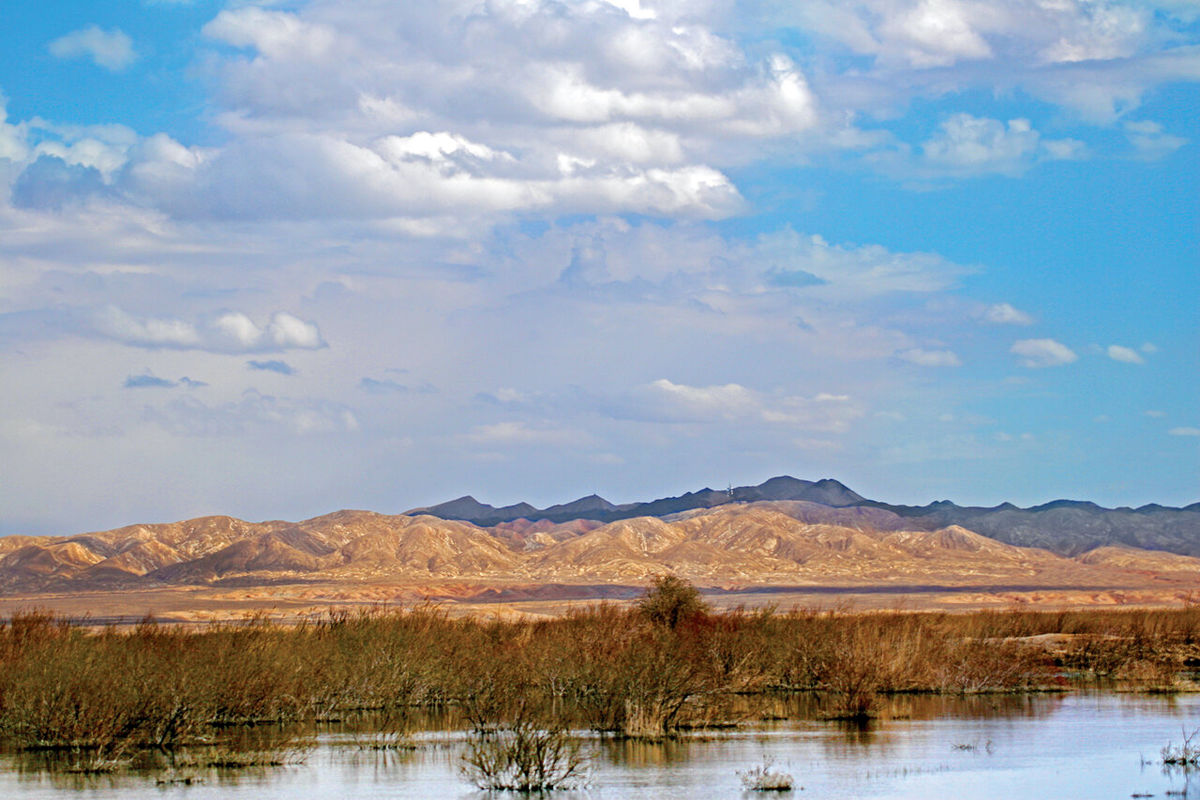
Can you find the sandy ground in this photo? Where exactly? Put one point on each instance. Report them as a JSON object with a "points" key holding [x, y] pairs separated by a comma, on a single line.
{"points": [[299, 601]]}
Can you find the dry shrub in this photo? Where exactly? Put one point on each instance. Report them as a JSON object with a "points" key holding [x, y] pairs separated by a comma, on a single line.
{"points": [[970, 667], [644, 672], [523, 757], [670, 600], [636, 683], [853, 671]]}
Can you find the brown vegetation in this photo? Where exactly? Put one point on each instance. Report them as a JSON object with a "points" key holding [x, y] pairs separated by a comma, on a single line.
{"points": [[642, 672]]}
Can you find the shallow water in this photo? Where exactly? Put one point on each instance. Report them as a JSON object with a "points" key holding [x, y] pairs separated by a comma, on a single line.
{"points": [[1083, 746]]}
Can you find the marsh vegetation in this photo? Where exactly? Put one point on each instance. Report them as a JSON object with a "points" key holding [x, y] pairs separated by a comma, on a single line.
{"points": [[234, 693]]}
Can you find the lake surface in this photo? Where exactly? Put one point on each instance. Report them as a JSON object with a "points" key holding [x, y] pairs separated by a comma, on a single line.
{"points": [[1076, 746]]}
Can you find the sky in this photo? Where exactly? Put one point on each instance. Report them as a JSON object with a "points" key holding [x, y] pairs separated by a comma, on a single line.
{"points": [[274, 259]]}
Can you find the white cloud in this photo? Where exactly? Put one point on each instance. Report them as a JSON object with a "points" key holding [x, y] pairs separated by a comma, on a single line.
{"points": [[1185, 431], [934, 33], [930, 358], [116, 324], [968, 145], [107, 157], [1107, 31], [862, 271], [1037, 353], [351, 111], [13, 146], [1096, 58], [1126, 354], [506, 434], [940, 33], [229, 332], [733, 402], [112, 49], [1151, 141], [634, 8], [729, 401], [274, 34], [1005, 314], [628, 141], [441, 146], [425, 174], [409, 175], [437, 115], [1155, 414]]}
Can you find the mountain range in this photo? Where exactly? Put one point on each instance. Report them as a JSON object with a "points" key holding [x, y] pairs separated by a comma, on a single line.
{"points": [[1068, 527], [784, 532]]}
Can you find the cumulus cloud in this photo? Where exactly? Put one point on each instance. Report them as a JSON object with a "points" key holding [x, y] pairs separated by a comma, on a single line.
{"points": [[449, 183], [315, 175], [1097, 60], [1037, 353], [705, 402], [1150, 141], [388, 112], [1184, 431], [940, 33], [447, 114], [1005, 314], [228, 332], [929, 34], [935, 33], [969, 145], [51, 183], [111, 49], [668, 401], [13, 146], [930, 358], [104, 148], [1124, 354]]}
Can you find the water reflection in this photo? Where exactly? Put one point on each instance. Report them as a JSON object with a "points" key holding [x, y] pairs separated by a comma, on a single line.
{"points": [[976, 748], [636, 754]]}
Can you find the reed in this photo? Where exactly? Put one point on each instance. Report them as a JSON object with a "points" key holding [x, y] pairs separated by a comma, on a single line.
{"points": [[642, 672]]}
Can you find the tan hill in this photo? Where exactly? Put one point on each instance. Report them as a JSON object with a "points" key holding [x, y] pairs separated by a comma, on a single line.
{"points": [[769, 543], [759, 541], [1155, 562]]}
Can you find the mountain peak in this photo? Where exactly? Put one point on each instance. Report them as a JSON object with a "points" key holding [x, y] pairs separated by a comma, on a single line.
{"points": [[592, 502], [465, 507]]}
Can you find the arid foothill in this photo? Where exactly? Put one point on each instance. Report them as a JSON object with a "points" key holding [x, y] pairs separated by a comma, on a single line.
{"points": [[783, 543]]}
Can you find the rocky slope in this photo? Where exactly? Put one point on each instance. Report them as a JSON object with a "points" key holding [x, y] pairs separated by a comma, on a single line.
{"points": [[766, 542], [1067, 527]]}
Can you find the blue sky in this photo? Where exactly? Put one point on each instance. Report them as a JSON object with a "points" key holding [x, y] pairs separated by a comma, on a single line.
{"points": [[274, 259]]}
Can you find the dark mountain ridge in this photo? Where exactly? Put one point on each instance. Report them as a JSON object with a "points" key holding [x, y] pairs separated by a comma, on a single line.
{"points": [[1068, 527]]}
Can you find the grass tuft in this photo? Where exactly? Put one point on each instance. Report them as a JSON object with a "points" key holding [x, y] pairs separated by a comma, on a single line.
{"points": [[763, 778]]}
